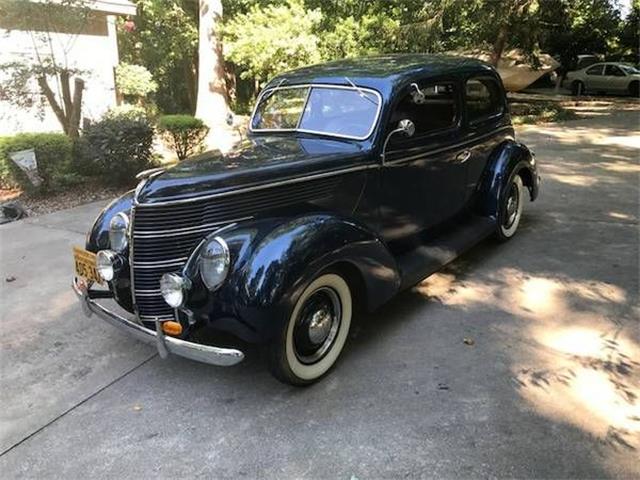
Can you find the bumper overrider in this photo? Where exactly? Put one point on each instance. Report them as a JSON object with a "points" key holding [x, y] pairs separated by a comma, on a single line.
{"points": [[165, 344]]}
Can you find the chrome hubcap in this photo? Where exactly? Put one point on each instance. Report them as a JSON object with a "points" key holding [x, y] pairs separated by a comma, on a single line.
{"points": [[317, 325], [512, 206]]}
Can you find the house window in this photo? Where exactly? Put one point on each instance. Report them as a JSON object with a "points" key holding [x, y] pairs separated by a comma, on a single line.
{"points": [[483, 98]]}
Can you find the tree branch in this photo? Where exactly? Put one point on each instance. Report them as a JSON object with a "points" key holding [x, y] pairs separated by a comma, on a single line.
{"points": [[53, 103]]}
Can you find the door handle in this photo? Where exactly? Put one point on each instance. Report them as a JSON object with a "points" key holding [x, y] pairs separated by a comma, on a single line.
{"points": [[463, 156]]}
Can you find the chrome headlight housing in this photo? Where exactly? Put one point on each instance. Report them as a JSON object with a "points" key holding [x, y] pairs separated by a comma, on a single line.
{"points": [[119, 232], [173, 288], [107, 262], [214, 263]]}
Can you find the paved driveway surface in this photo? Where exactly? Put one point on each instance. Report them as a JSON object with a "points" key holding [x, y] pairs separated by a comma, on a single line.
{"points": [[550, 386]]}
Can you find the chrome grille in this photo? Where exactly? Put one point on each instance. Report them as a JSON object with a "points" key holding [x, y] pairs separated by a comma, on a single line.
{"points": [[165, 235]]}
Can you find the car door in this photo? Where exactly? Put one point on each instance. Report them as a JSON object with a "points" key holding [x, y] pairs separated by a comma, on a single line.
{"points": [[422, 181], [614, 78], [485, 126], [593, 78]]}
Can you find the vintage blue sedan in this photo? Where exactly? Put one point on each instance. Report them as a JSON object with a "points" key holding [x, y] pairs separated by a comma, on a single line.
{"points": [[357, 179]]}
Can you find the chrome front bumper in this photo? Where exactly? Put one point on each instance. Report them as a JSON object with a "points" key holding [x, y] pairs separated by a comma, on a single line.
{"points": [[164, 344]]}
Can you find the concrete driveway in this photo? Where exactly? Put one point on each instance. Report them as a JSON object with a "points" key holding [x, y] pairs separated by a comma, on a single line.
{"points": [[547, 384]]}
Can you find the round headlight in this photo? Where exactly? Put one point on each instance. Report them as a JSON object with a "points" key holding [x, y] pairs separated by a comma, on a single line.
{"points": [[118, 231], [173, 287], [214, 263], [106, 264]]}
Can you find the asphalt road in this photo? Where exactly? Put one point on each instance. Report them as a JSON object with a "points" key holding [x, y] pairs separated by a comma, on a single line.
{"points": [[546, 385]]}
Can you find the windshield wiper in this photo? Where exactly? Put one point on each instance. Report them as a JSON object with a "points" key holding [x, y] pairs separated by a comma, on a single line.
{"points": [[360, 91]]}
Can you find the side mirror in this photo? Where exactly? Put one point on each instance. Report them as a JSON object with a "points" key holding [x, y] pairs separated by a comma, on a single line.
{"points": [[406, 127]]}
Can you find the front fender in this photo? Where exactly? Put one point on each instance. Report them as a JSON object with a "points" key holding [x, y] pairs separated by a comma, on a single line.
{"points": [[274, 259], [509, 157], [98, 237]]}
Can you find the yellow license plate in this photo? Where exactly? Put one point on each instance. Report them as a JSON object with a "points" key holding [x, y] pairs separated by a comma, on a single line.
{"points": [[86, 264]]}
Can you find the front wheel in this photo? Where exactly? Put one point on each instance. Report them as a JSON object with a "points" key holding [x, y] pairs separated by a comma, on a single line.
{"points": [[315, 333], [510, 208]]}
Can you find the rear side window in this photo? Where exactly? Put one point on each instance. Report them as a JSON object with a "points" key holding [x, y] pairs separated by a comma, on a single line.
{"points": [[483, 98], [613, 71], [597, 70], [430, 106]]}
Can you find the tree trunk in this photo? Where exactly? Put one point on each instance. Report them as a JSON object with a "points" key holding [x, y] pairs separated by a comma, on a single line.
{"points": [[211, 105], [53, 103], [499, 44], [69, 116], [76, 108]]}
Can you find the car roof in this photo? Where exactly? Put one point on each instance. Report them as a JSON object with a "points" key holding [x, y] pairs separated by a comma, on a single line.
{"points": [[383, 72]]}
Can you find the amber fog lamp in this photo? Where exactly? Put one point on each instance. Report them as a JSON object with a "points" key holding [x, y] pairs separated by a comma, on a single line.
{"points": [[214, 263], [171, 328], [118, 232], [107, 263], [173, 288]]}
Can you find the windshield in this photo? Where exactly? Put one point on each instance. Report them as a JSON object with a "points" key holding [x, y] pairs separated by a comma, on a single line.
{"points": [[629, 69], [327, 110]]}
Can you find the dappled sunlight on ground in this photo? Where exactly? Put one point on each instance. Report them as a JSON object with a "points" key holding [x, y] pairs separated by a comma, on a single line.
{"points": [[584, 368]]}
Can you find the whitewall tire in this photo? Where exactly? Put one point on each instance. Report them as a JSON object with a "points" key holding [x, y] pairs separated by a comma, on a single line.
{"points": [[315, 333], [511, 206]]}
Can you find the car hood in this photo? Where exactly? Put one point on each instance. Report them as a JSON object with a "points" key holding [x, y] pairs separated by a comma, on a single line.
{"points": [[257, 160]]}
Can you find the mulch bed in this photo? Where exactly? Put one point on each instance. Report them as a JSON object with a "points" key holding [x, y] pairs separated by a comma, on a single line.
{"points": [[42, 204]]}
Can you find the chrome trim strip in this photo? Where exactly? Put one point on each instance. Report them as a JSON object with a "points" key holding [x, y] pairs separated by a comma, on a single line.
{"points": [[186, 230], [194, 351], [131, 272], [260, 186], [148, 293], [311, 86], [448, 147], [163, 263]]}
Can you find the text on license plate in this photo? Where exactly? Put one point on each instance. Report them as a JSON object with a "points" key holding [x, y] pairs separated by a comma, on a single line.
{"points": [[86, 264]]}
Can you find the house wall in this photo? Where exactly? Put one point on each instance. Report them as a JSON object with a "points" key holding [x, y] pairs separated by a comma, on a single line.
{"points": [[93, 50]]}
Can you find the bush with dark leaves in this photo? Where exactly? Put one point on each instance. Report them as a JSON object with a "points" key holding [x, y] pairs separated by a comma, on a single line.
{"points": [[116, 149]]}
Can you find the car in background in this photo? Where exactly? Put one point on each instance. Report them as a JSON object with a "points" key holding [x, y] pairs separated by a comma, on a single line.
{"points": [[605, 77]]}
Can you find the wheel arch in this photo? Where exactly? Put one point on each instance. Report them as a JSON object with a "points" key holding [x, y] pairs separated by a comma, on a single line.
{"points": [[274, 259], [507, 158]]}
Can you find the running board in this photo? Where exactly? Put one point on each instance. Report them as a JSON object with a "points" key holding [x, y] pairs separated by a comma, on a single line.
{"points": [[432, 255]]}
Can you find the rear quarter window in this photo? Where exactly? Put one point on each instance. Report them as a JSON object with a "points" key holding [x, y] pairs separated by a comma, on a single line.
{"points": [[483, 99]]}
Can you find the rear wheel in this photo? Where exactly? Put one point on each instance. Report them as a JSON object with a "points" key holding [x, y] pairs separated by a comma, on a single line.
{"points": [[510, 210], [315, 333], [577, 88], [634, 89]]}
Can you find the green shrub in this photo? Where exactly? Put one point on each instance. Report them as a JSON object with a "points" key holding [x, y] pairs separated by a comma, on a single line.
{"points": [[116, 148], [184, 133], [53, 155]]}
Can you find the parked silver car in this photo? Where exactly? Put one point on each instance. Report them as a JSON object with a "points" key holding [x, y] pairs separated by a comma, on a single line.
{"points": [[605, 78]]}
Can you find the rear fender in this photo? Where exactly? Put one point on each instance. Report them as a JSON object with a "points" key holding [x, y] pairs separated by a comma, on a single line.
{"points": [[508, 158]]}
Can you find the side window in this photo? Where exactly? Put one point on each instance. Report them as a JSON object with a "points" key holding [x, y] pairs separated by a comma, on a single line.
{"points": [[613, 71], [431, 107], [483, 98], [595, 70]]}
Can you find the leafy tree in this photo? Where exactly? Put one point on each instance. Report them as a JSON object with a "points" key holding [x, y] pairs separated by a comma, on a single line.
{"points": [[53, 26], [629, 34], [134, 81], [163, 37], [266, 41]]}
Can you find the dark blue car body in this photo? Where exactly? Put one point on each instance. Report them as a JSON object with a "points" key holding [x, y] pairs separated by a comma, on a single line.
{"points": [[292, 204]]}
